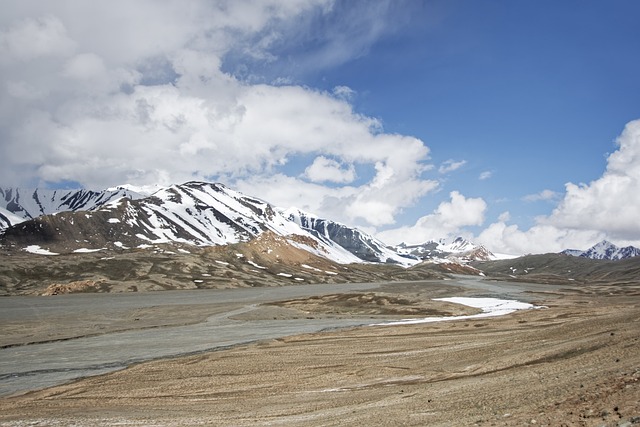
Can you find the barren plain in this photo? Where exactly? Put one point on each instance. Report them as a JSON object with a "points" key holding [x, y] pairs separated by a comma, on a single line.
{"points": [[574, 363]]}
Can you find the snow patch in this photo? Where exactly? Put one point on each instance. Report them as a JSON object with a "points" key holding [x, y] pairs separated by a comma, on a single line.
{"points": [[256, 265], [113, 220], [36, 249], [490, 307], [86, 250]]}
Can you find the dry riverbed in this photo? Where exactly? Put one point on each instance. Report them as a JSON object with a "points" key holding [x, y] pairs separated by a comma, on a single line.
{"points": [[575, 363]]}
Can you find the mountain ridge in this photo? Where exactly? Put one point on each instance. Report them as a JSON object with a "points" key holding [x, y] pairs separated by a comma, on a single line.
{"points": [[197, 213]]}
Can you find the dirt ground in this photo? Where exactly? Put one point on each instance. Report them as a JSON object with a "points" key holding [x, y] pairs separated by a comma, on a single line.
{"points": [[575, 363]]}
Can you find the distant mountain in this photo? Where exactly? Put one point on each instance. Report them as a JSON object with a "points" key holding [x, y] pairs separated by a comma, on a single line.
{"points": [[359, 243], [605, 250], [24, 204], [457, 248]]}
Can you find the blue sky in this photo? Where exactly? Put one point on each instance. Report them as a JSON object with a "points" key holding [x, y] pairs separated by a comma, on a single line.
{"points": [[409, 119], [532, 92]]}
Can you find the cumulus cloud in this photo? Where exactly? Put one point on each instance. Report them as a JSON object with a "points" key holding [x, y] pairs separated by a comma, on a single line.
{"points": [[323, 169], [610, 203], [447, 220], [152, 103], [587, 213], [501, 237]]}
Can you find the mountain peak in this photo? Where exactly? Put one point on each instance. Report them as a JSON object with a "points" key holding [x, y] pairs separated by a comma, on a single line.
{"points": [[605, 250]]}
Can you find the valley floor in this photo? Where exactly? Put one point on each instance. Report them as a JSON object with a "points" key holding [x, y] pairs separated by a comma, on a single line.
{"points": [[576, 363]]}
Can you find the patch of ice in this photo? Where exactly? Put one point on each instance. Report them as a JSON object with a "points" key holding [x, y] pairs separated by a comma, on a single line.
{"points": [[285, 274], [240, 255], [36, 249], [184, 251], [198, 281], [308, 267], [222, 262], [331, 272], [113, 220], [299, 279], [144, 246]]}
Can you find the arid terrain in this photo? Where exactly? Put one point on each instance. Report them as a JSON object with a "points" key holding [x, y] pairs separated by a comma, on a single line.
{"points": [[574, 363]]}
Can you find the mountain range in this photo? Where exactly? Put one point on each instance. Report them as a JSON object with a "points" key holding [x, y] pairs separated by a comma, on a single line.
{"points": [[209, 214], [194, 213]]}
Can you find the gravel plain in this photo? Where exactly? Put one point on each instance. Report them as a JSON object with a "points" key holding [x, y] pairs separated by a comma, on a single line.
{"points": [[574, 363]]}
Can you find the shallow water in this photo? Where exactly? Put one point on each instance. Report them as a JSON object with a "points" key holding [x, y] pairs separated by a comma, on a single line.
{"points": [[40, 365]]}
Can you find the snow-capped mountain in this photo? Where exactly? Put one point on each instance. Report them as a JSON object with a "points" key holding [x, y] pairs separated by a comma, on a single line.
{"points": [[194, 213], [27, 204], [605, 250], [458, 248], [364, 246]]}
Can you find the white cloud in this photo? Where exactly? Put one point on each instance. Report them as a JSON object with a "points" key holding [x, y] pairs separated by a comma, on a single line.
{"points": [[84, 66], [135, 92], [611, 203], [509, 239], [451, 165], [35, 37], [546, 195], [605, 208], [344, 92], [485, 175], [323, 169], [447, 220]]}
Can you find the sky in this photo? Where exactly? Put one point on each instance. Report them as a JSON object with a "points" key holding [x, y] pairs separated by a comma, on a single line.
{"points": [[515, 124]]}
